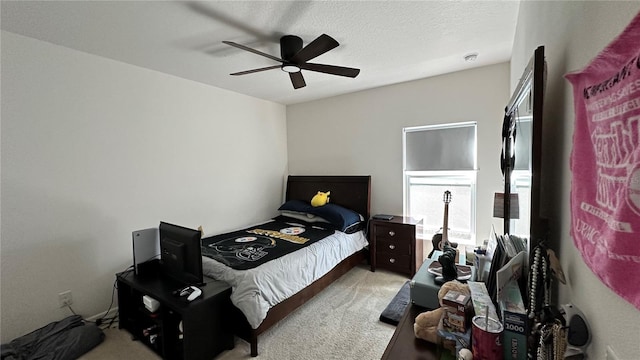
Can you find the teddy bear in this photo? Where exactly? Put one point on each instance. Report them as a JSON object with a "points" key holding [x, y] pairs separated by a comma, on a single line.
{"points": [[426, 324]]}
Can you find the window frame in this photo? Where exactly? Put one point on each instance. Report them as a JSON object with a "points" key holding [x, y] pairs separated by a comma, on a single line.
{"points": [[466, 178], [443, 177]]}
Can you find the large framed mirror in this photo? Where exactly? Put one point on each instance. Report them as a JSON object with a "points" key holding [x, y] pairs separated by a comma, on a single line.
{"points": [[521, 158]]}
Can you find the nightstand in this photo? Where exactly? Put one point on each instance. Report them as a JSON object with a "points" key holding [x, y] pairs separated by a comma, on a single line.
{"points": [[394, 245]]}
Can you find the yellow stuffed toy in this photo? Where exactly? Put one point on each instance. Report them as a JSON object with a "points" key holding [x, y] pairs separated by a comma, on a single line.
{"points": [[321, 198], [426, 323]]}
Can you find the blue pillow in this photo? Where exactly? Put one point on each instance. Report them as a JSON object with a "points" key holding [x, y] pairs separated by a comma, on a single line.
{"points": [[342, 218]]}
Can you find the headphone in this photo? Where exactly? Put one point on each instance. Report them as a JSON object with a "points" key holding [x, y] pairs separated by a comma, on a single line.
{"points": [[508, 134]]}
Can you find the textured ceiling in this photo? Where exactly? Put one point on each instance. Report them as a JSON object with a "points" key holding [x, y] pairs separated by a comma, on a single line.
{"points": [[390, 41]]}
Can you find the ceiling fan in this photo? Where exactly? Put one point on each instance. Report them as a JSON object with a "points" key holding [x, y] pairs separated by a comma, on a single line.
{"points": [[294, 57]]}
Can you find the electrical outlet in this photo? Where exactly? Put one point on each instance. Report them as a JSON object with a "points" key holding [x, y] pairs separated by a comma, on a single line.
{"points": [[611, 355], [64, 298]]}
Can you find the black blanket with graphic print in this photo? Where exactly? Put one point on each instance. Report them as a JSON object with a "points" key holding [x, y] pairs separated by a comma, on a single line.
{"points": [[254, 246]]}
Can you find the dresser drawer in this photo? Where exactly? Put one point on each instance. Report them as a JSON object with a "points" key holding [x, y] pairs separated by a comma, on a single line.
{"points": [[399, 263], [394, 232], [395, 246]]}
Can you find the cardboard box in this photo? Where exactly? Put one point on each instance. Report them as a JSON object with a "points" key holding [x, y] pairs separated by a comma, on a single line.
{"points": [[514, 320], [458, 311], [454, 341]]}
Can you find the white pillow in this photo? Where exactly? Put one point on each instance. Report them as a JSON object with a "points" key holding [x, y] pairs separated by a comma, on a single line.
{"points": [[303, 216]]}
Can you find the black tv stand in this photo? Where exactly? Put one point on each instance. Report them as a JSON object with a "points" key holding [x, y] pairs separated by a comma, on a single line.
{"points": [[178, 329]]}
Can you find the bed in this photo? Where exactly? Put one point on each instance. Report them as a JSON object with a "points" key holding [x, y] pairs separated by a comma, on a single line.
{"points": [[259, 300]]}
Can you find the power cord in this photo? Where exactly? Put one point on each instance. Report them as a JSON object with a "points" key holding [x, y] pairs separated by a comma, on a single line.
{"points": [[73, 312], [101, 321], [104, 318]]}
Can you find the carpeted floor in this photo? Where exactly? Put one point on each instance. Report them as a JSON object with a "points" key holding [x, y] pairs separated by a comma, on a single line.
{"points": [[342, 322]]}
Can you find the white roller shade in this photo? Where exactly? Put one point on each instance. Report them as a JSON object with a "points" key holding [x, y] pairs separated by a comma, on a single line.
{"points": [[450, 147]]}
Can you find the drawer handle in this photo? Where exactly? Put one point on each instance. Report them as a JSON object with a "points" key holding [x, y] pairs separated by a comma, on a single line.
{"points": [[392, 260], [392, 233], [392, 247]]}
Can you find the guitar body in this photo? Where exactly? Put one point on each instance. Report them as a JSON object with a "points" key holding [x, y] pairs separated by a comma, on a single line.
{"points": [[436, 241]]}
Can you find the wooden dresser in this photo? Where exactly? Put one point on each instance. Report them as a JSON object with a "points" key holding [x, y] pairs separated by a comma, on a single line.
{"points": [[394, 245], [405, 345]]}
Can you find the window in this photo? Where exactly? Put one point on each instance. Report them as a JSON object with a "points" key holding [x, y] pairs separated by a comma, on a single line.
{"points": [[521, 184], [521, 175], [439, 158]]}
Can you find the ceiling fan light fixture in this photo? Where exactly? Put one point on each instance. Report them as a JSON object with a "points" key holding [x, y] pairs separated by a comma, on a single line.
{"points": [[290, 68]]}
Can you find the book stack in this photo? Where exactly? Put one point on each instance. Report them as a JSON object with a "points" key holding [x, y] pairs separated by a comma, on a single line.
{"points": [[507, 256]]}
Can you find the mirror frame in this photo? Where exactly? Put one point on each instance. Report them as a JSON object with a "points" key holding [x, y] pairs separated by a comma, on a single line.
{"points": [[531, 83]]}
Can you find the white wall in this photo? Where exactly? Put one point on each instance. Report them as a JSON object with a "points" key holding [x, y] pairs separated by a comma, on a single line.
{"points": [[93, 149], [361, 133], [573, 33]]}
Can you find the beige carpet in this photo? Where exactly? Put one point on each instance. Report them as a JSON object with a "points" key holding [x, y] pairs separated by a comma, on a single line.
{"points": [[339, 323]]}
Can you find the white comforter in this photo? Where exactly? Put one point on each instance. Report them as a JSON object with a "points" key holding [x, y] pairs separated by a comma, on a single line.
{"points": [[256, 290]]}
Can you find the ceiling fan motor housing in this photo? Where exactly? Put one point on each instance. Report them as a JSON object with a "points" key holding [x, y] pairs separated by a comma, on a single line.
{"points": [[289, 46]]}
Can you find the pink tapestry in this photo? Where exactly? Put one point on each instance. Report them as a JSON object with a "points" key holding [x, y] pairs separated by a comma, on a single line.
{"points": [[605, 164]]}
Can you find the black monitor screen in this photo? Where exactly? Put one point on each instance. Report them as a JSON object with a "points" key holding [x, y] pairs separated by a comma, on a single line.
{"points": [[180, 253]]}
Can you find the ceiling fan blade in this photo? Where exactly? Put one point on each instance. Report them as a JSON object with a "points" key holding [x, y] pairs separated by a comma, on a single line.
{"points": [[297, 80], [256, 70], [317, 47], [239, 46], [331, 69]]}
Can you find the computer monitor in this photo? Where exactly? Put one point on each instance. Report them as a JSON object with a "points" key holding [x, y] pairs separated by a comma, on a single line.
{"points": [[180, 253]]}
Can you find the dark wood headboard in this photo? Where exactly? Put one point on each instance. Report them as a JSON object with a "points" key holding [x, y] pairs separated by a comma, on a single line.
{"points": [[351, 192]]}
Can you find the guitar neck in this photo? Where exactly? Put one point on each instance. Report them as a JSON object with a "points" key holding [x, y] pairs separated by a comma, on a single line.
{"points": [[445, 225]]}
